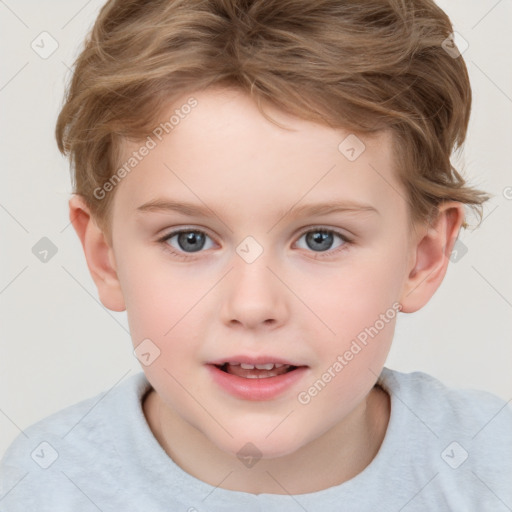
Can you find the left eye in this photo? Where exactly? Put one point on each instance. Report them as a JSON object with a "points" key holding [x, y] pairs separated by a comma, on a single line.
{"points": [[189, 241], [320, 240]]}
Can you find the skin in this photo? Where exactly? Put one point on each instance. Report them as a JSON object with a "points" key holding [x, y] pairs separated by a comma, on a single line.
{"points": [[293, 301]]}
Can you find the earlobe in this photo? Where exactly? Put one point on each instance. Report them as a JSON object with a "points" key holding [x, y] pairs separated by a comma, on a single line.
{"points": [[431, 257], [98, 253]]}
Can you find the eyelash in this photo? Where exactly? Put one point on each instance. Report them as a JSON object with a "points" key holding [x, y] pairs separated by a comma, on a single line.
{"points": [[318, 254]]}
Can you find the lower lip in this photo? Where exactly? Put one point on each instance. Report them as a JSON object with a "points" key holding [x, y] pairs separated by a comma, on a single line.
{"points": [[256, 389]]}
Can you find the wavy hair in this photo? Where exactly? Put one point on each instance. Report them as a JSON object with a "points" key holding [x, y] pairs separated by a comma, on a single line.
{"points": [[363, 65]]}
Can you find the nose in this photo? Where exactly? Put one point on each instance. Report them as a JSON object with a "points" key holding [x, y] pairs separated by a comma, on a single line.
{"points": [[253, 297]]}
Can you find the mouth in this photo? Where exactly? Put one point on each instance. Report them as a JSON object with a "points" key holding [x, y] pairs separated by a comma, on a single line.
{"points": [[255, 371], [257, 378]]}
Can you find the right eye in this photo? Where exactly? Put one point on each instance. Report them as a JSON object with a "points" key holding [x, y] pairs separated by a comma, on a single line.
{"points": [[188, 241]]}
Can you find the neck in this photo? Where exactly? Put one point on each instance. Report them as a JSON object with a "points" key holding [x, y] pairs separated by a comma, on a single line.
{"points": [[335, 457]]}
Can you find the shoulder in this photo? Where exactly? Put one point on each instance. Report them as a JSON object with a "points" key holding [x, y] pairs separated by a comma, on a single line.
{"points": [[457, 440], [46, 455], [463, 409]]}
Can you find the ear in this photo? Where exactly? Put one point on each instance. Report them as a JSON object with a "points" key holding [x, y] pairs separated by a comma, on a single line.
{"points": [[98, 253], [431, 252]]}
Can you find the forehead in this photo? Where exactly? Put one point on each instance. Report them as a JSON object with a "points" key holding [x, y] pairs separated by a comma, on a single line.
{"points": [[223, 152]]}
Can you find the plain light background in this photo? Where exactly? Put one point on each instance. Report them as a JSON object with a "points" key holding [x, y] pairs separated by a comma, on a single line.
{"points": [[59, 345]]}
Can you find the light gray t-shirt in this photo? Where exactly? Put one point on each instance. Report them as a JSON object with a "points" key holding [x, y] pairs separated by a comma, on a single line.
{"points": [[444, 450]]}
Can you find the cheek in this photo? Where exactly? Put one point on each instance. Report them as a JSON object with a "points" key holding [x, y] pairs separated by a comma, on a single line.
{"points": [[349, 365], [362, 307], [353, 296], [160, 306], [153, 308], [156, 294]]}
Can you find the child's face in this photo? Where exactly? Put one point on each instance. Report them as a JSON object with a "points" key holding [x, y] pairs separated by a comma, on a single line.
{"points": [[303, 300]]}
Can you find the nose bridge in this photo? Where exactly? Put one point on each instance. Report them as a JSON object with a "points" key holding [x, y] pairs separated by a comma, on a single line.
{"points": [[251, 261], [253, 295]]}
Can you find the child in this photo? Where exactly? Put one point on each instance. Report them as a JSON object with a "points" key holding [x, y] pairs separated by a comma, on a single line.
{"points": [[264, 186]]}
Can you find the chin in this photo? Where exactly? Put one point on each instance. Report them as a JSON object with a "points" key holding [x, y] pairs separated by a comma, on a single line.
{"points": [[252, 443]]}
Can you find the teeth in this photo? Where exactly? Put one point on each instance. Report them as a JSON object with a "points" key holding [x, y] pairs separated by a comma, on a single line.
{"points": [[267, 366], [261, 376]]}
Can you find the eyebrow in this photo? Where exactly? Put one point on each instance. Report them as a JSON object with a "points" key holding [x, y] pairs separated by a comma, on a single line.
{"points": [[195, 210]]}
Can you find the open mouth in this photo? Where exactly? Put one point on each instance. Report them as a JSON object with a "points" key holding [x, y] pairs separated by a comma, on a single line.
{"points": [[256, 378], [258, 371]]}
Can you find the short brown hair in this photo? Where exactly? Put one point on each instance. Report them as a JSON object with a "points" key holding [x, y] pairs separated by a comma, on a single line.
{"points": [[361, 65]]}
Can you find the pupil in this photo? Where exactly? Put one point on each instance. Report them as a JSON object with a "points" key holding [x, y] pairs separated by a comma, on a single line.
{"points": [[191, 241], [319, 240]]}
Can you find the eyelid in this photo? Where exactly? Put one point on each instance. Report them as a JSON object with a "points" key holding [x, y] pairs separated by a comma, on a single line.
{"points": [[163, 239], [336, 231], [302, 232], [185, 229]]}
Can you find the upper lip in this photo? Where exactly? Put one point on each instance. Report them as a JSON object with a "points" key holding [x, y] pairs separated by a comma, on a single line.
{"points": [[254, 360]]}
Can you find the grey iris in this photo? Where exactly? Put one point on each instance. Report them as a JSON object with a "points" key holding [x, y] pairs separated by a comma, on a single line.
{"points": [[319, 240], [191, 241]]}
